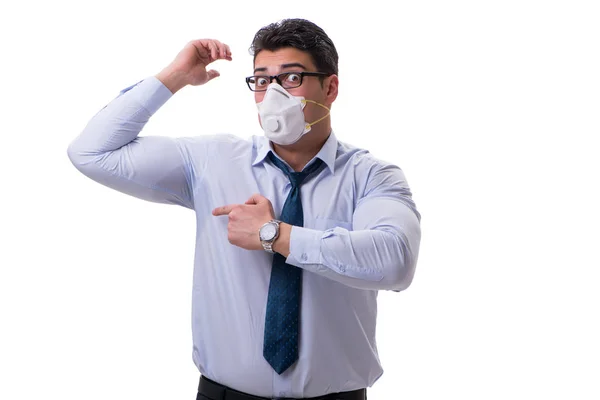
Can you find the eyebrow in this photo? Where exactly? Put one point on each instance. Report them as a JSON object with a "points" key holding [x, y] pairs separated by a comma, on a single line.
{"points": [[283, 66]]}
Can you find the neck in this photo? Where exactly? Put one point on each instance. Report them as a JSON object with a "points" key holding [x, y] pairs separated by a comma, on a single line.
{"points": [[297, 155]]}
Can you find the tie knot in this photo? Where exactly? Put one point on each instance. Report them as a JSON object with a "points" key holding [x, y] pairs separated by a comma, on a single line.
{"points": [[296, 178]]}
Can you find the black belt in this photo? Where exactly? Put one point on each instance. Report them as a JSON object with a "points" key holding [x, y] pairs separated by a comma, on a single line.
{"points": [[216, 391]]}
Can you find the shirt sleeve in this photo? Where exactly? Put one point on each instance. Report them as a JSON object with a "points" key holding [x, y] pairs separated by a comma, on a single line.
{"points": [[381, 250], [110, 152]]}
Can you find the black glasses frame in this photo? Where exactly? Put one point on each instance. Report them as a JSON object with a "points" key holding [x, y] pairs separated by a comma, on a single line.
{"points": [[276, 77]]}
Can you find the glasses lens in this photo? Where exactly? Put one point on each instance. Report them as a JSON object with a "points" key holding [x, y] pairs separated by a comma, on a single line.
{"points": [[258, 83], [251, 82], [290, 80]]}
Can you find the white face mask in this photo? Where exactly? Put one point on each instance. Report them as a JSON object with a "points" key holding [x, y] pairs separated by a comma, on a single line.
{"points": [[282, 115]]}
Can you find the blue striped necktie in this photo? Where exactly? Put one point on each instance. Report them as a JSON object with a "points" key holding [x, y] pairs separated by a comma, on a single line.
{"points": [[280, 347]]}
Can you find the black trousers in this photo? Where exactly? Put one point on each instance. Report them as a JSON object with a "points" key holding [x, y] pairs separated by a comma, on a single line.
{"points": [[211, 390]]}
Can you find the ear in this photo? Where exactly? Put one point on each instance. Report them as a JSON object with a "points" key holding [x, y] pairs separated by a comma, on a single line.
{"points": [[331, 85]]}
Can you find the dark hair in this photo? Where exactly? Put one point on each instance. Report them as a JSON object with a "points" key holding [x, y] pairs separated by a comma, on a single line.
{"points": [[299, 34]]}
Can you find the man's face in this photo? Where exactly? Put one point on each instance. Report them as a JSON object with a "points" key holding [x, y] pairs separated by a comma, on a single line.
{"points": [[293, 60]]}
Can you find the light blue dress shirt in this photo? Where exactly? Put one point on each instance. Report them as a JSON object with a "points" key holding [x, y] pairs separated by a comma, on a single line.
{"points": [[361, 234]]}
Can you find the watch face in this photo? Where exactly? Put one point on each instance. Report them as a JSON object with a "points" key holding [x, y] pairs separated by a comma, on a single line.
{"points": [[268, 232]]}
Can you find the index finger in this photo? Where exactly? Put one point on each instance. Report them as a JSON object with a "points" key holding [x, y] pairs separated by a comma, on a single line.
{"points": [[223, 51], [214, 50], [224, 210]]}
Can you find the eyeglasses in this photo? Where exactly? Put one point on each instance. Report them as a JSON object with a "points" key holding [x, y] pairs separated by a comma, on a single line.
{"points": [[288, 80]]}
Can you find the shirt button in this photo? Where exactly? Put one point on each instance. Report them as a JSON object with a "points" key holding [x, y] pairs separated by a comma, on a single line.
{"points": [[304, 257], [342, 268], [282, 394]]}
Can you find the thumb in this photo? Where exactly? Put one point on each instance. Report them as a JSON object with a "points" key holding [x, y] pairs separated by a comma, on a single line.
{"points": [[212, 74], [256, 198]]}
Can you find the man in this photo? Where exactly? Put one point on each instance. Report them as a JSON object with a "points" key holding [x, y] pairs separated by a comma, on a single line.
{"points": [[297, 231]]}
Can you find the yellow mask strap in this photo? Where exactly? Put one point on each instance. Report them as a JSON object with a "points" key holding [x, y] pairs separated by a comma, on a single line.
{"points": [[320, 119]]}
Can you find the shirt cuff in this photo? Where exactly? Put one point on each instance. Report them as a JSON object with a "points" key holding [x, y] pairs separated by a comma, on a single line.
{"points": [[305, 246], [150, 93]]}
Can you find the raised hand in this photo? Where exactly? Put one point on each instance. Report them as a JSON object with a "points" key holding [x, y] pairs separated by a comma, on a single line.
{"points": [[189, 66]]}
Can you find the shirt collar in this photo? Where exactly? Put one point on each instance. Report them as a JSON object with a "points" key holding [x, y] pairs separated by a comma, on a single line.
{"points": [[327, 153]]}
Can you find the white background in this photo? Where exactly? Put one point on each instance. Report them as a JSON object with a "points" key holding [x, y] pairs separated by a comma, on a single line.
{"points": [[490, 108]]}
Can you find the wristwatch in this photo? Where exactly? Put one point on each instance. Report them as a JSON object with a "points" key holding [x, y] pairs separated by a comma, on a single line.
{"points": [[268, 233]]}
